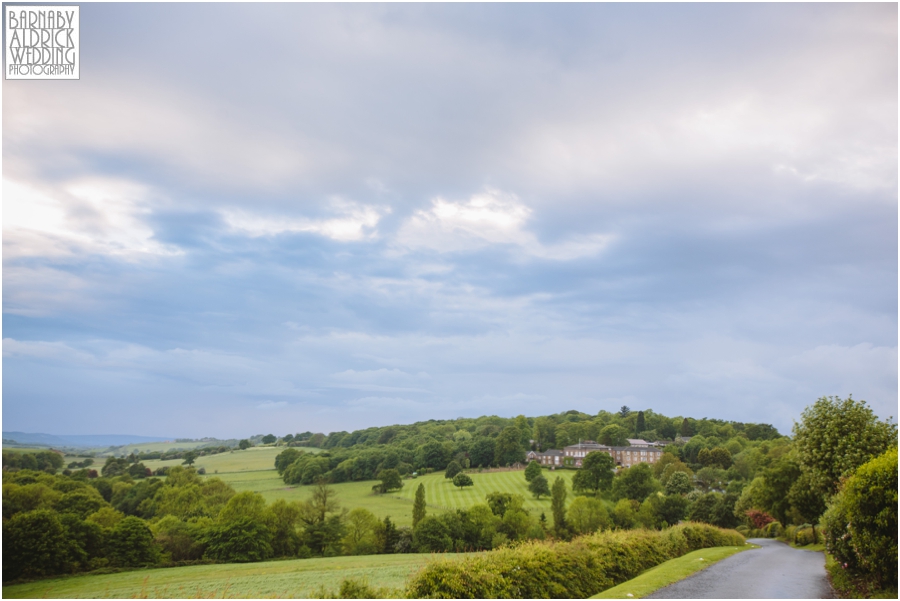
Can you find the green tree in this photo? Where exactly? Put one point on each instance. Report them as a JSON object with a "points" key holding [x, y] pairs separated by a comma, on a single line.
{"points": [[635, 483], [181, 541], [679, 483], [286, 458], [614, 435], [390, 480], [501, 502], [34, 545], [558, 506], [596, 472], [640, 424], [532, 471], [544, 432], [807, 501], [481, 453], [432, 535], [189, 457], [835, 436], [453, 468], [244, 444], [320, 516], [269, 439], [460, 480], [361, 532], [419, 505], [509, 447], [130, 544], [539, 487], [625, 411], [686, 430], [587, 515], [239, 540]]}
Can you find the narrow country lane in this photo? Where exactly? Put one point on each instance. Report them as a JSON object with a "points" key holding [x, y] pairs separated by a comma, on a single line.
{"points": [[776, 571]]}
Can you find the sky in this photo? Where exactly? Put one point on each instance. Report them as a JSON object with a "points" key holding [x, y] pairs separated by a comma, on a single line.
{"points": [[247, 219]]}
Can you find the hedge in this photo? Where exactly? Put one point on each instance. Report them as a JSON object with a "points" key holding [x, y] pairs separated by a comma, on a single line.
{"points": [[577, 569]]}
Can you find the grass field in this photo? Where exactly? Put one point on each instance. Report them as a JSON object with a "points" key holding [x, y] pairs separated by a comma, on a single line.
{"points": [[440, 492], [670, 572], [296, 578], [151, 447], [250, 460]]}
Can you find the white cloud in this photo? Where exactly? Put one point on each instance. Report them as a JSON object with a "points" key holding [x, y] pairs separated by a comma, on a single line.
{"points": [[488, 218], [97, 215], [353, 221]]}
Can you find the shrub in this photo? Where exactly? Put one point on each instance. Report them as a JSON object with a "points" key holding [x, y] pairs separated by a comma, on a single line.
{"points": [[861, 522], [576, 569]]}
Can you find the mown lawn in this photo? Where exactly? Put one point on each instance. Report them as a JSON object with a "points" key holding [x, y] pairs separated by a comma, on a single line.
{"points": [[296, 578], [440, 492]]}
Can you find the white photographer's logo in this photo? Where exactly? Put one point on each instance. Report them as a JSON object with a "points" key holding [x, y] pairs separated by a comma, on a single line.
{"points": [[41, 42]]}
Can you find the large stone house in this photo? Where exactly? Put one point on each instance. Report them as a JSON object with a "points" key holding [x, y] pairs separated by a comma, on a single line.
{"points": [[573, 455]]}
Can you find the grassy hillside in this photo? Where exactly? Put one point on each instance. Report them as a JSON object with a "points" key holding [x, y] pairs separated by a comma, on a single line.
{"points": [[297, 578], [252, 459]]}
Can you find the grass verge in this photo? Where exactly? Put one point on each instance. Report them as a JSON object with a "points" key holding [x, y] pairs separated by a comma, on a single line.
{"points": [[670, 572]]}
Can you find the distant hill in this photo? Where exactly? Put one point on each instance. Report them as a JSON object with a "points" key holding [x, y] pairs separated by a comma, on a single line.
{"points": [[80, 440]]}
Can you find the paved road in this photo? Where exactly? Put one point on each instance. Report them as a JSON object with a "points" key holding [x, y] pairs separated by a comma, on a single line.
{"points": [[776, 571]]}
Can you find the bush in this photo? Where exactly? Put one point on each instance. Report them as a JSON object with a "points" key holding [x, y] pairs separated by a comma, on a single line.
{"points": [[577, 569], [861, 522]]}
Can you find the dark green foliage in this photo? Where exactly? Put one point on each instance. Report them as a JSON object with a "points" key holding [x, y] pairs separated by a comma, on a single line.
{"points": [[81, 502], [244, 444], [509, 447], [635, 483], [34, 544], [861, 522], [613, 435], [419, 505], [532, 471], [189, 458], [44, 461], [640, 424], [286, 458], [431, 534], [501, 502], [139, 499], [181, 541], [715, 457], [86, 541], [269, 439], [539, 487], [715, 508], [580, 569], [130, 544], [596, 472], [239, 540], [625, 411], [390, 480], [461, 480], [432, 454], [481, 451], [114, 466], [453, 468]]}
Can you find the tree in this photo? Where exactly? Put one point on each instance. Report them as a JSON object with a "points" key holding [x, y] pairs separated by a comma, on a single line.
{"points": [[558, 506], [244, 444], [686, 429], [501, 502], [640, 425], [509, 448], [390, 480], [288, 438], [861, 522], [539, 487], [239, 540], [432, 535], [625, 411], [544, 432], [269, 439], [361, 527], [532, 471], [286, 458], [635, 483], [453, 468], [614, 435], [807, 501], [679, 483], [419, 505], [461, 480], [34, 544], [130, 544], [323, 530], [835, 436], [596, 472], [189, 457], [587, 515]]}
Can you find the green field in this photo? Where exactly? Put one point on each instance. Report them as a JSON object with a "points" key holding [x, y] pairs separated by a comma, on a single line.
{"points": [[440, 492], [150, 447], [295, 578], [252, 459]]}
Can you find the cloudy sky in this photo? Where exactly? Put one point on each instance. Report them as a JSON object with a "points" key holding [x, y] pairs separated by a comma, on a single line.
{"points": [[250, 219]]}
